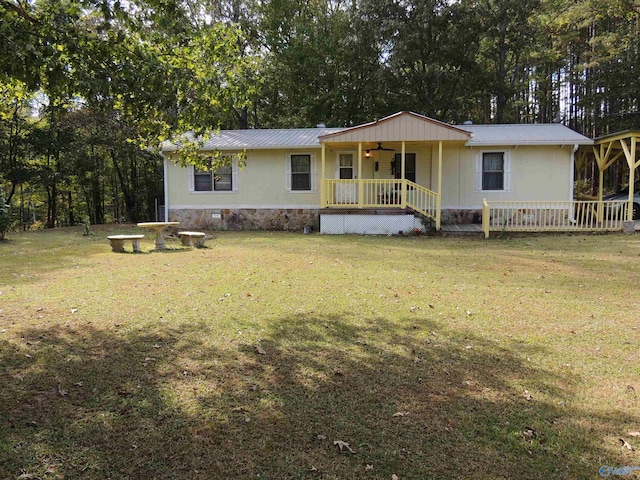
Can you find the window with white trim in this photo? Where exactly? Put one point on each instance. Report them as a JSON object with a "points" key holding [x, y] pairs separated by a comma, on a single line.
{"points": [[300, 172], [493, 171], [223, 179]]}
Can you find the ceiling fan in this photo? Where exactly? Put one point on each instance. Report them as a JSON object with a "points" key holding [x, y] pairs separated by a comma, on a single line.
{"points": [[381, 148]]}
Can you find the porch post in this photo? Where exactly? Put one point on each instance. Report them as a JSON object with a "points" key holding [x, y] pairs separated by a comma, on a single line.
{"points": [[632, 168], [403, 188], [601, 167], [630, 154], [323, 193], [439, 198], [360, 185]]}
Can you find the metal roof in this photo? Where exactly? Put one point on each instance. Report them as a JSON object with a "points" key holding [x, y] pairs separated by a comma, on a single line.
{"points": [[520, 134], [264, 139], [482, 135]]}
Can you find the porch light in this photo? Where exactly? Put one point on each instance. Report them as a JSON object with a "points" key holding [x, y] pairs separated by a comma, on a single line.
{"points": [[367, 154]]}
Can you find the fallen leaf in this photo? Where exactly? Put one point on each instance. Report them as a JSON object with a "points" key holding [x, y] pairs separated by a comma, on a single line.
{"points": [[343, 446], [626, 445], [74, 310], [321, 437], [395, 477], [239, 410], [527, 395], [259, 350], [400, 414], [529, 433], [63, 393], [634, 434], [369, 467]]}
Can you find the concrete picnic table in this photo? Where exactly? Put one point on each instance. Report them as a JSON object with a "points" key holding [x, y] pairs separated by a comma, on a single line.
{"points": [[159, 229]]}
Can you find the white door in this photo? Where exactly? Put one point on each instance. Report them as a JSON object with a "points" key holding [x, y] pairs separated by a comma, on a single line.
{"points": [[346, 192]]}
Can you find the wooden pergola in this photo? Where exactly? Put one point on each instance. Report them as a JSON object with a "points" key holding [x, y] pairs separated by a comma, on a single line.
{"points": [[609, 148]]}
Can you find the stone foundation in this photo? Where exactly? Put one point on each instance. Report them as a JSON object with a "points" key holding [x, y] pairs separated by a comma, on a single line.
{"points": [[457, 217], [292, 219]]}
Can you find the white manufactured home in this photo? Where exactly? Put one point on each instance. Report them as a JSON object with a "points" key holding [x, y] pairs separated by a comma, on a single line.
{"points": [[400, 173]]}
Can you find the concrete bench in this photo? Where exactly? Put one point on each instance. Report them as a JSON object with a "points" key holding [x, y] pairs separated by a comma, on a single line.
{"points": [[195, 239], [117, 242]]}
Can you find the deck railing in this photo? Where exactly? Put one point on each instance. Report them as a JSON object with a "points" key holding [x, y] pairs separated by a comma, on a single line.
{"points": [[365, 193], [552, 216], [388, 193]]}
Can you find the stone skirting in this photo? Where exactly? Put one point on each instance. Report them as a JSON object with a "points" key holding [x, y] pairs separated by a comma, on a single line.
{"points": [[246, 218], [457, 217]]}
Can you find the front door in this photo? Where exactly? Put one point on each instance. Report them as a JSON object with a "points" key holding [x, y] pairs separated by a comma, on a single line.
{"points": [[409, 166], [346, 192]]}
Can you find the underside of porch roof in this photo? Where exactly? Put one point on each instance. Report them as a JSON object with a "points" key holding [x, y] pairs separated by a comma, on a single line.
{"points": [[400, 127]]}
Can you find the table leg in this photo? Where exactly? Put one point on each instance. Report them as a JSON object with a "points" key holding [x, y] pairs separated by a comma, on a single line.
{"points": [[160, 239]]}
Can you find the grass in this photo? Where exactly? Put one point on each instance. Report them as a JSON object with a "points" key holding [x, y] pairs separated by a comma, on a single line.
{"points": [[430, 357]]}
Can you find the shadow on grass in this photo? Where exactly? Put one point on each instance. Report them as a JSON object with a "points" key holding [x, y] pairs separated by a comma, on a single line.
{"points": [[86, 403]]}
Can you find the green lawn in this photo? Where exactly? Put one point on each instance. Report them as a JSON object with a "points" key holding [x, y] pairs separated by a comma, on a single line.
{"points": [[431, 357]]}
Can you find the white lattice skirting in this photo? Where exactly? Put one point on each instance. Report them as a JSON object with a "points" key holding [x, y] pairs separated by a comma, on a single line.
{"points": [[337, 224]]}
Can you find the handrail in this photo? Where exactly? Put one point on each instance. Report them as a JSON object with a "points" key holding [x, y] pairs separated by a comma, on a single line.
{"points": [[422, 200]]}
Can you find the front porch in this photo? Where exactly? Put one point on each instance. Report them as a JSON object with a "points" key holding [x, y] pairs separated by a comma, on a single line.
{"points": [[392, 164]]}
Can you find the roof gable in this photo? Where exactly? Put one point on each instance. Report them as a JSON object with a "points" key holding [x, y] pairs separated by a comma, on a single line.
{"points": [[402, 126]]}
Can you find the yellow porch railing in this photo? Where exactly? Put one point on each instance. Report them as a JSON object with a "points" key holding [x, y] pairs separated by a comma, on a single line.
{"points": [[370, 193], [423, 201], [552, 216]]}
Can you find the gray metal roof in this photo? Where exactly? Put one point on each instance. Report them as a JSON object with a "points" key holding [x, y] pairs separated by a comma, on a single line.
{"points": [[519, 134], [482, 135], [264, 139]]}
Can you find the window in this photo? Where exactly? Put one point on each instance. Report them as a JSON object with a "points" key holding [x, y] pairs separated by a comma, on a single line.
{"points": [[224, 179], [409, 166], [300, 172], [493, 171], [202, 181], [346, 166]]}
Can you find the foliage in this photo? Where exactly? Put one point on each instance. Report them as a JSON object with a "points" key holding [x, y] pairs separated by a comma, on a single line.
{"points": [[89, 87], [6, 222]]}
